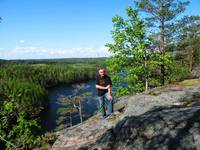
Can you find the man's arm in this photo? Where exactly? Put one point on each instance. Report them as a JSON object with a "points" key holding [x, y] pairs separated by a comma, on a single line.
{"points": [[102, 87], [110, 90], [109, 93], [99, 86]]}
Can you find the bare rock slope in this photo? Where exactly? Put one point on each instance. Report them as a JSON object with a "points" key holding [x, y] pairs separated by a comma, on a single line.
{"points": [[166, 118]]}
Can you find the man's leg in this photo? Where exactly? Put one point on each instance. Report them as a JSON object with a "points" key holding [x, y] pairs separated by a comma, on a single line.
{"points": [[101, 104], [110, 105]]}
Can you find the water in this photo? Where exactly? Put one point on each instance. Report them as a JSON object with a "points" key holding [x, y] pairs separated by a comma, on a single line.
{"points": [[90, 104]]}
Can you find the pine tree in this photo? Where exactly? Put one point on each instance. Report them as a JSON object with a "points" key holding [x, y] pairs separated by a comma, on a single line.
{"points": [[188, 40], [161, 17]]}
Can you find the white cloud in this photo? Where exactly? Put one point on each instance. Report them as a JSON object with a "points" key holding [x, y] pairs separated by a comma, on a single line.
{"points": [[21, 41], [29, 52]]}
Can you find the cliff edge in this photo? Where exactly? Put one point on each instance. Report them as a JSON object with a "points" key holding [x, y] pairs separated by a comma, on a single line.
{"points": [[164, 118]]}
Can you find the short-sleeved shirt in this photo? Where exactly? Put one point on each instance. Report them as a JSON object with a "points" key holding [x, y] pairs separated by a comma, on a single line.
{"points": [[103, 81]]}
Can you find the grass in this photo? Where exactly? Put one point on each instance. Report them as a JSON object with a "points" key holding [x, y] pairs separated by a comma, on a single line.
{"points": [[154, 93], [178, 86], [190, 82]]}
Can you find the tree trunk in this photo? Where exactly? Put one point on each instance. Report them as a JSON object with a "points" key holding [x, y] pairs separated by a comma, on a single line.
{"points": [[80, 111], [191, 59], [162, 49], [192, 47], [70, 118], [146, 85], [146, 74]]}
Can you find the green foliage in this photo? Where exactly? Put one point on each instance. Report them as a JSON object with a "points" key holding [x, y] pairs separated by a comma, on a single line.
{"points": [[178, 72], [133, 63], [129, 48], [45, 141], [29, 97], [22, 134], [15, 128], [140, 54], [26, 83], [161, 21], [170, 33], [188, 43], [47, 75], [23, 95], [71, 107], [156, 61]]}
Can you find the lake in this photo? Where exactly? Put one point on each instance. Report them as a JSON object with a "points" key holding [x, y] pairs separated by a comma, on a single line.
{"points": [[90, 104]]}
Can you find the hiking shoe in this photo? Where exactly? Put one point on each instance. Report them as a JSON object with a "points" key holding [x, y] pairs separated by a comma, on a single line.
{"points": [[103, 117], [110, 115]]}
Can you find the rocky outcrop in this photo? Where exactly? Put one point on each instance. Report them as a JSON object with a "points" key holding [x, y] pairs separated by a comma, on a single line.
{"points": [[85, 134], [195, 72], [158, 129], [165, 118]]}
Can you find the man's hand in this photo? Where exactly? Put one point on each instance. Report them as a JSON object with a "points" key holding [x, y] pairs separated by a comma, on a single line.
{"points": [[110, 97], [108, 86]]}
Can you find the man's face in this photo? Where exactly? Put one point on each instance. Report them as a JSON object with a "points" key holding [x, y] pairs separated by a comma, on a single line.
{"points": [[101, 72]]}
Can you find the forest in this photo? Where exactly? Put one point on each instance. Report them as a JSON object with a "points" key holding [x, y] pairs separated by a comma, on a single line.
{"points": [[147, 52], [24, 87], [155, 50]]}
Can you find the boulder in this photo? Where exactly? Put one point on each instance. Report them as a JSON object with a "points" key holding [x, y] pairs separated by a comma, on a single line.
{"points": [[165, 121], [163, 128]]}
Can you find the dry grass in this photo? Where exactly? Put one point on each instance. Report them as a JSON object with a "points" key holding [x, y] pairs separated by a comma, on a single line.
{"points": [[113, 119], [179, 86], [190, 82]]}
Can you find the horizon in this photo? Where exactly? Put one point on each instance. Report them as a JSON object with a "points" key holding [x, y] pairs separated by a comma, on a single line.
{"points": [[36, 59], [50, 29]]}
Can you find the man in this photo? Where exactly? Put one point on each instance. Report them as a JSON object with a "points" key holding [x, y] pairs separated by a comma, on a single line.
{"points": [[103, 85]]}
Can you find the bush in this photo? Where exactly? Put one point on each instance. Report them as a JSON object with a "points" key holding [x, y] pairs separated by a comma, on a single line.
{"points": [[177, 73]]}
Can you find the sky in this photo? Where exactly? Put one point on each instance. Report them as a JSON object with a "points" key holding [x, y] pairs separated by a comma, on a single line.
{"points": [[40, 29]]}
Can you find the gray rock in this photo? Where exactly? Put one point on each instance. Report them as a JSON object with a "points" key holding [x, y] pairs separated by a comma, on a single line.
{"points": [[141, 122], [195, 72], [152, 130]]}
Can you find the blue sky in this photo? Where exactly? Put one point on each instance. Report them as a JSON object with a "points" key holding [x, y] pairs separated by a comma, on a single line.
{"points": [[33, 29]]}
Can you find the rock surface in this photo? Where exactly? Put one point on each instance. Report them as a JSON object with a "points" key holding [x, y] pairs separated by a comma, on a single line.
{"points": [[195, 72], [158, 129], [166, 118]]}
